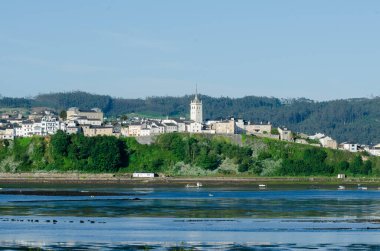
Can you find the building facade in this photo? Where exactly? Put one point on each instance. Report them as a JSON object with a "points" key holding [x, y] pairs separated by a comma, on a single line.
{"points": [[285, 134], [260, 128], [95, 114], [196, 110], [224, 127], [329, 143]]}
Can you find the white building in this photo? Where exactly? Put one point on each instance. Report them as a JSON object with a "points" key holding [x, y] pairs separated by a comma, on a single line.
{"points": [[7, 133], [196, 112], [145, 131], [352, 147], [38, 129], [181, 127], [317, 136], [18, 131], [195, 127], [73, 129], [48, 125], [27, 129], [375, 151], [82, 120], [170, 127], [157, 128]]}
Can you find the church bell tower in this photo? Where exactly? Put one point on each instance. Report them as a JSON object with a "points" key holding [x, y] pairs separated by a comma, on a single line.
{"points": [[196, 112]]}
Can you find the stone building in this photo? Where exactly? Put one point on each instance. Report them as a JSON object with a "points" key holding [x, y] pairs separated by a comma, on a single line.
{"points": [[91, 131], [328, 142], [285, 134], [258, 128], [196, 110], [94, 114], [224, 127]]}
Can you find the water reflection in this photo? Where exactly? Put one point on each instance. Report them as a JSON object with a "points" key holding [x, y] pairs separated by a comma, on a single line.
{"points": [[110, 218], [196, 204]]}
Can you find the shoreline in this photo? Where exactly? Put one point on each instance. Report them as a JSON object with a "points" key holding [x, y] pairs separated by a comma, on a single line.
{"points": [[126, 179]]}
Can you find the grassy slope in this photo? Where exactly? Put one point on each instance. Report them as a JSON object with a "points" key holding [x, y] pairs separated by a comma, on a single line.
{"points": [[34, 154]]}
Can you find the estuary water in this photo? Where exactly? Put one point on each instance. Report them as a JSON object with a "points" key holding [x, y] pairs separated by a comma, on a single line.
{"points": [[178, 218]]}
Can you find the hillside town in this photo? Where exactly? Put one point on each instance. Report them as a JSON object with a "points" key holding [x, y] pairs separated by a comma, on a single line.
{"points": [[93, 123]]}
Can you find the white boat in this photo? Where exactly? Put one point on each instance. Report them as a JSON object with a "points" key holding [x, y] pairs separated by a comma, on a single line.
{"points": [[210, 195], [341, 187], [262, 186], [198, 185], [360, 187]]}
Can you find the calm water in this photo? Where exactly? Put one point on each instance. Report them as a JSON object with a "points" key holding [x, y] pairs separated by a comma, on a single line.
{"points": [[177, 218]]}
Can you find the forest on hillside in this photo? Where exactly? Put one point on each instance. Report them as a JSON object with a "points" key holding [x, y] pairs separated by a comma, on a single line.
{"points": [[180, 154], [356, 120]]}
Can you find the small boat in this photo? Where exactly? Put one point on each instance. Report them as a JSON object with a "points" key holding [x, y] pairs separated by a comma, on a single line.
{"points": [[198, 185], [341, 187], [210, 195], [262, 186], [360, 187]]}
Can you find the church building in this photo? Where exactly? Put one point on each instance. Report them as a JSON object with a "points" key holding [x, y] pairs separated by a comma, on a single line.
{"points": [[196, 112]]}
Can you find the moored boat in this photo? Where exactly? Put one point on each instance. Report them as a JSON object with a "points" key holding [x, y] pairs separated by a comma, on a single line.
{"points": [[262, 186], [198, 185]]}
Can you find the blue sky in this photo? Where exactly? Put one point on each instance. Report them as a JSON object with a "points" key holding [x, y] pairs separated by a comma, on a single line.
{"points": [[322, 49]]}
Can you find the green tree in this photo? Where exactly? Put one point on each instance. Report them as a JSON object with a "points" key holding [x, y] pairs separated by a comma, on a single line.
{"points": [[274, 131], [60, 142], [6, 143], [244, 165], [367, 168], [124, 117], [105, 154], [356, 165], [207, 160], [343, 165], [63, 115]]}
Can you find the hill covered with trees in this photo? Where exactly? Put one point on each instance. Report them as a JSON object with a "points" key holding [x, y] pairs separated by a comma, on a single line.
{"points": [[355, 120], [180, 154]]}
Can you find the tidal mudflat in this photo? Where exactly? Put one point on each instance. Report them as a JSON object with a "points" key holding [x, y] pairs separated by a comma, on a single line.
{"points": [[178, 218]]}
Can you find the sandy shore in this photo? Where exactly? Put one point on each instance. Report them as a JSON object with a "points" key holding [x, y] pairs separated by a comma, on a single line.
{"points": [[125, 179]]}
